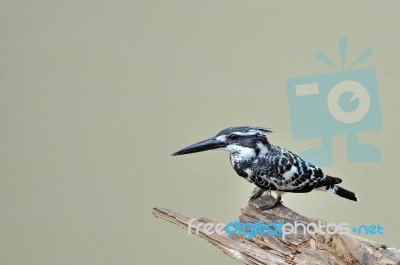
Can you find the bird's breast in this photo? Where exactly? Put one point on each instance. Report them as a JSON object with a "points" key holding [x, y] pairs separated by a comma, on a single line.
{"points": [[243, 167]]}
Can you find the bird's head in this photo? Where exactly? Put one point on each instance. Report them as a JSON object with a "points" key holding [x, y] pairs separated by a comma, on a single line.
{"points": [[233, 139]]}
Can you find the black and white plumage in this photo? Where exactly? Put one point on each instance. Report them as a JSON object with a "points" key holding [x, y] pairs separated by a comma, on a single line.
{"points": [[268, 166]]}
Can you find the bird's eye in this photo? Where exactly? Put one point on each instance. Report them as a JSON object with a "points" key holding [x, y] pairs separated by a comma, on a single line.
{"points": [[232, 136]]}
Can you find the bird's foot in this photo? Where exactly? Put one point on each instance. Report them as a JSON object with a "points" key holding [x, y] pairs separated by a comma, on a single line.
{"points": [[257, 194], [268, 207]]}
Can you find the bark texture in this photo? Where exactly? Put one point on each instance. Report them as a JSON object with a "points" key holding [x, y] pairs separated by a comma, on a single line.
{"points": [[300, 248]]}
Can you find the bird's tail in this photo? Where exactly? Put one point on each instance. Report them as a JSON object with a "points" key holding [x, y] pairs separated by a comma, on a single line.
{"points": [[335, 189], [343, 193]]}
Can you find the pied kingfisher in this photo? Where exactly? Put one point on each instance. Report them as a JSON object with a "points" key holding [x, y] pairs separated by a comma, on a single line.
{"points": [[268, 166]]}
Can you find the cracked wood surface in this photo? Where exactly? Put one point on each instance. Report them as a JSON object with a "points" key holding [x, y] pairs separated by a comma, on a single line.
{"points": [[297, 248]]}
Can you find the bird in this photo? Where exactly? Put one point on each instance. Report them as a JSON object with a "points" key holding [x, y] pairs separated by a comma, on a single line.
{"points": [[268, 166]]}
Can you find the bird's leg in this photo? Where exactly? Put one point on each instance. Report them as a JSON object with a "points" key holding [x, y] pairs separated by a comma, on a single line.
{"points": [[257, 194], [267, 207]]}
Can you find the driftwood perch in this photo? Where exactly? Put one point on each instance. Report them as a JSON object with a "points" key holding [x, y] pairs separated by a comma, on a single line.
{"points": [[300, 248]]}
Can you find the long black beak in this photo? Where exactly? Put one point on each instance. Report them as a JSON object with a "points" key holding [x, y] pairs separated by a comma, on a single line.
{"points": [[205, 145]]}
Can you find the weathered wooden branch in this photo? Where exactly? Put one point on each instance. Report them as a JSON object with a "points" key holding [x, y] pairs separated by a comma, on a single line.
{"points": [[300, 248]]}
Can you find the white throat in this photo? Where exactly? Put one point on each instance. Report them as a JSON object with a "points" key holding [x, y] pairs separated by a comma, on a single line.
{"points": [[240, 153]]}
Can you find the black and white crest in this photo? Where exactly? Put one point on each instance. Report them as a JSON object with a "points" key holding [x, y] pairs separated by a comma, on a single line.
{"points": [[245, 130]]}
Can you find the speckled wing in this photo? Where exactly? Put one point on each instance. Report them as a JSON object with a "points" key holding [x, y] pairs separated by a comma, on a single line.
{"points": [[284, 171]]}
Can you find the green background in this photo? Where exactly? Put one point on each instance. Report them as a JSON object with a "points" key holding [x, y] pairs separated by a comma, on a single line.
{"points": [[96, 95]]}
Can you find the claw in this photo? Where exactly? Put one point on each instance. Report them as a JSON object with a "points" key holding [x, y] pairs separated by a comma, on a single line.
{"points": [[267, 207], [257, 194]]}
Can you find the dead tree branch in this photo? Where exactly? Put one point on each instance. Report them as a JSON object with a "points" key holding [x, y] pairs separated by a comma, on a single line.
{"points": [[300, 248]]}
